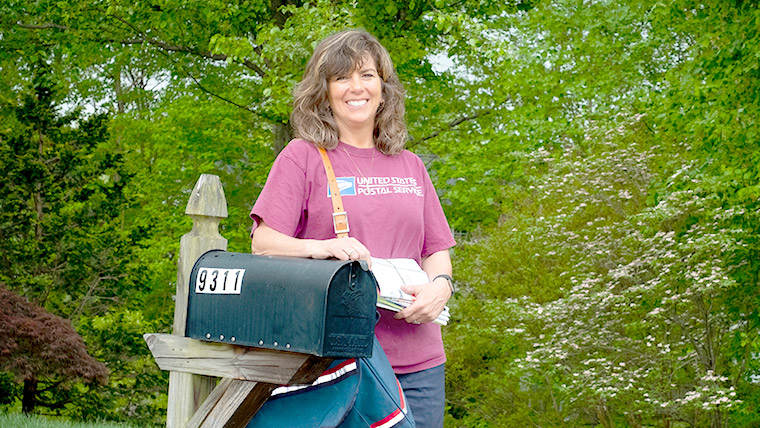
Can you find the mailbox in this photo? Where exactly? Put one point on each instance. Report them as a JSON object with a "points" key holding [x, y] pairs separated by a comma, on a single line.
{"points": [[319, 307]]}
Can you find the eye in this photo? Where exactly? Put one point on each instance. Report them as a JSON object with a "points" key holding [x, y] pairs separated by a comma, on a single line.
{"points": [[340, 78]]}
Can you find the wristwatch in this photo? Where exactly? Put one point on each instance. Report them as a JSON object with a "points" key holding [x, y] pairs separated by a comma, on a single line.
{"points": [[449, 279]]}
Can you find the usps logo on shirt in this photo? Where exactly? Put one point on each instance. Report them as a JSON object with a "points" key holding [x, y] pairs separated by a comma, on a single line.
{"points": [[346, 185]]}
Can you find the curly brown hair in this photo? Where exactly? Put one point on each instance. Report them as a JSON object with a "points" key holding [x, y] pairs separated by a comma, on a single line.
{"points": [[340, 54]]}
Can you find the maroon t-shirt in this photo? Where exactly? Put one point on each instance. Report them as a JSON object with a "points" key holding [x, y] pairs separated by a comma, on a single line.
{"points": [[392, 209]]}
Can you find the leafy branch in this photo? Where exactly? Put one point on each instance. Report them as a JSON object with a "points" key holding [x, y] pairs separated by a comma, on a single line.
{"points": [[454, 123]]}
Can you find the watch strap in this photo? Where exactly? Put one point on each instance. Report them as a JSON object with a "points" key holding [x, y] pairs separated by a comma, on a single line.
{"points": [[449, 279]]}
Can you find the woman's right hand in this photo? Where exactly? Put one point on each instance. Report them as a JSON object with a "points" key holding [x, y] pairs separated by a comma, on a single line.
{"points": [[339, 248], [267, 241]]}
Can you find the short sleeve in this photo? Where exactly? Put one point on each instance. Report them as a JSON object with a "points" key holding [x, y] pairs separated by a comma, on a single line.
{"points": [[282, 200], [438, 234]]}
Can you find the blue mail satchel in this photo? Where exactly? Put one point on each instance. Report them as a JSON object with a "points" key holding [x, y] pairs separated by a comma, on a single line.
{"points": [[352, 393]]}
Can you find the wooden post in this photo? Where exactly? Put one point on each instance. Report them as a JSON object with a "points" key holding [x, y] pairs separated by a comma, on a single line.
{"points": [[249, 374], [207, 206]]}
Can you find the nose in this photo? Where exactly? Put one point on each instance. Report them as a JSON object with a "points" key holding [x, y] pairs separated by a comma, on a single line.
{"points": [[355, 82]]}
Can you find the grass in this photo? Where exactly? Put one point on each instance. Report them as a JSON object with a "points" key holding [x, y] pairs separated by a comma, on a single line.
{"points": [[18, 420]]}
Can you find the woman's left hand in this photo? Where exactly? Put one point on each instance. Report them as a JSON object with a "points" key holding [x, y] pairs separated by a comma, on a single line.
{"points": [[430, 299]]}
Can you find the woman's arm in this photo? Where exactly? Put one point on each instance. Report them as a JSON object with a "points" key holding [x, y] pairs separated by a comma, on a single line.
{"points": [[430, 298], [267, 241]]}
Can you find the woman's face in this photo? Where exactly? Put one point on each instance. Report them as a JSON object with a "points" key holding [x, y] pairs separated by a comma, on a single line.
{"points": [[356, 96]]}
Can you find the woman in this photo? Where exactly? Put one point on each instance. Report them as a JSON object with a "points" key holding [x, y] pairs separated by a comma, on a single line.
{"points": [[351, 103]]}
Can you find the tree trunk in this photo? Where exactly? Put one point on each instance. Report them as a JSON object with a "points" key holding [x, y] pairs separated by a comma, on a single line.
{"points": [[118, 90], [282, 135], [39, 205], [634, 421], [29, 399], [717, 419], [277, 15], [603, 415]]}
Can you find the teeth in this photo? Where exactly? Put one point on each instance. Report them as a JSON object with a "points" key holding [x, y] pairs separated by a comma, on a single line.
{"points": [[357, 103]]}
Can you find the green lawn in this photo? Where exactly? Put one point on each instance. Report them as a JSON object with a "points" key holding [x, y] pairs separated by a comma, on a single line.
{"points": [[17, 420]]}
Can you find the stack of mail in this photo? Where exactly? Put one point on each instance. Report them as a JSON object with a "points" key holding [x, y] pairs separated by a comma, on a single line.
{"points": [[391, 274]]}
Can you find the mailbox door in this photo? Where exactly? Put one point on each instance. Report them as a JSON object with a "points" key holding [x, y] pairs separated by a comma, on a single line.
{"points": [[350, 321]]}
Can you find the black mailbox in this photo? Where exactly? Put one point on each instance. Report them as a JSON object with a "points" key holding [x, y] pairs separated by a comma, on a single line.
{"points": [[318, 307]]}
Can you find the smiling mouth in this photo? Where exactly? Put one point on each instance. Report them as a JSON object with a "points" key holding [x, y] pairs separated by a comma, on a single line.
{"points": [[356, 103]]}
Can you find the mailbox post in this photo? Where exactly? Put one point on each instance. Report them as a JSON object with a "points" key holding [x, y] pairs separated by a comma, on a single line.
{"points": [[268, 321], [207, 206]]}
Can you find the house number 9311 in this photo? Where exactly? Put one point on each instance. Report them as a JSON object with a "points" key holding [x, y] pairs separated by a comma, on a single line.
{"points": [[219, 281]]}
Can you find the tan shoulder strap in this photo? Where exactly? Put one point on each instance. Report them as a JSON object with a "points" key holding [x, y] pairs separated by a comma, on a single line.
{"points": [[340, 218]]}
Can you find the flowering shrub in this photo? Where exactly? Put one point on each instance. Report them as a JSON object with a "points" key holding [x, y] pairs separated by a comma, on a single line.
{"points": [[649, 296], [619, 287]]}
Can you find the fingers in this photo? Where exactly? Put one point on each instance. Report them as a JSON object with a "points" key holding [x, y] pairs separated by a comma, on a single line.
{"points": [[359, 252], [415, 313], [346, 249], [428, 304], [352, 249], [352, 252]]}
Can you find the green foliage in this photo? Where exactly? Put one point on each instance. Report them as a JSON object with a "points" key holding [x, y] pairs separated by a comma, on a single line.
{"points": [[187, 88], [61, 200], [621, 277], [116, 338], [18, 420], [601, 155], [8, 389], [62, 244]]}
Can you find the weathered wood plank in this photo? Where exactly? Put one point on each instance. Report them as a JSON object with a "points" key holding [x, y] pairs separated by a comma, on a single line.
{"points": [[207, 206], [310, 370], [238, 404], [187, 355], [234, 403], [211, 401], [188, 392]]}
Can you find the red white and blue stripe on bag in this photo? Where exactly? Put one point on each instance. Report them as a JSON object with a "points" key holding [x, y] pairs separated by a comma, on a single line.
{"points": [[327, 378], [397, 416], [335, 374]]}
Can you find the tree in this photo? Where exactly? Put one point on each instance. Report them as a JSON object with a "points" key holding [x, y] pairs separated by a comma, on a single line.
{"points": [[63, 244], [555, 128], [204, 87], [251, 55], [39, 347], [619, 287]]}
